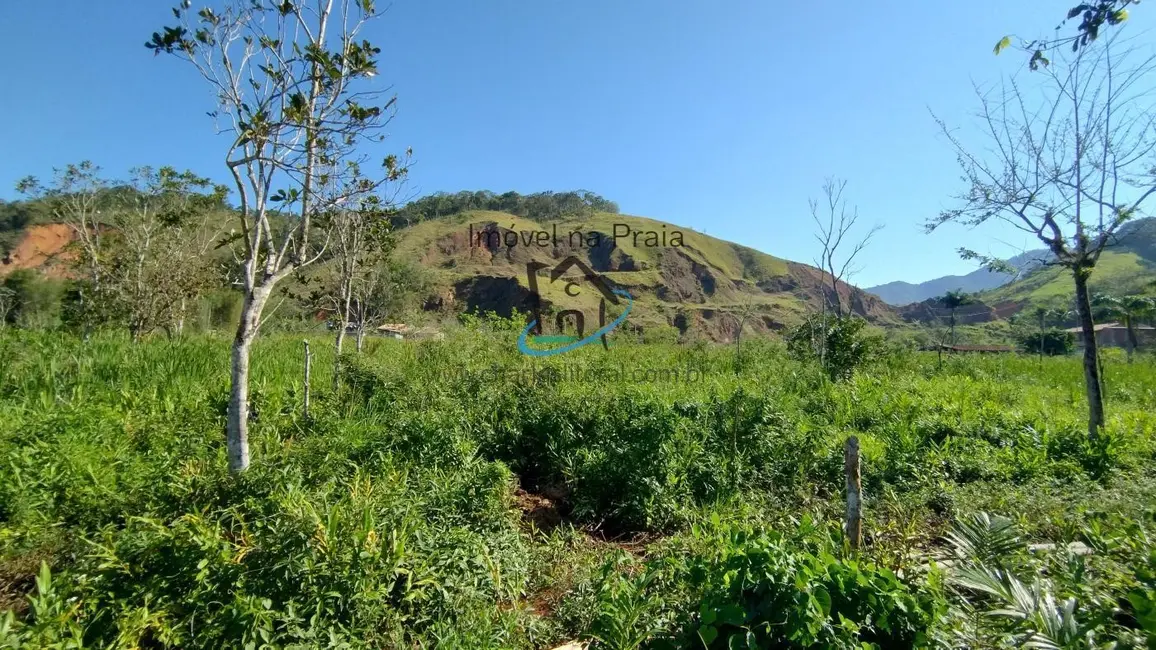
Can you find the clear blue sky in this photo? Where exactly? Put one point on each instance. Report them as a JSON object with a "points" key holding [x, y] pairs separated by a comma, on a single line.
{"points": [[723, 116]]}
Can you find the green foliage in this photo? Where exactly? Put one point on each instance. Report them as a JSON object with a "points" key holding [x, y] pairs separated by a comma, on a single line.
{"points": [[401, 514], [33, 301], [838, 345], [1025, 604], [1050, 341], [762, 590], [541, 206], [1093, 16]]}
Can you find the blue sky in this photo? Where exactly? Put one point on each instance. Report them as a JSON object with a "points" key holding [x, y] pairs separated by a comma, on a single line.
{"points": [[721, 116]]}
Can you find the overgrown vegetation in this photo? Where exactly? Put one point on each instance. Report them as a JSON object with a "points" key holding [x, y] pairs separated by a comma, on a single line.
{"points": [[621, 503], [540, 206]]}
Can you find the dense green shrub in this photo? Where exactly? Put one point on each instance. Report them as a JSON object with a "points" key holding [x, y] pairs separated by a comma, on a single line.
{"points": [[838, 344], [1051, 342], [759, 592]]}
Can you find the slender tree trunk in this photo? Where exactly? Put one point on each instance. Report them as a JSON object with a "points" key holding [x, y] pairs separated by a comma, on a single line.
{"points": [[360, 337], [953, 327], [1041, 339], [343, 311], [338, 344], [739, 346], [854, 520], [1131, 341], [308, 365], [1091, 356], [237, 437]]}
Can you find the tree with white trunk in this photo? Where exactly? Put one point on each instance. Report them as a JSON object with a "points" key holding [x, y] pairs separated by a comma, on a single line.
{"points": [[293, 82]]}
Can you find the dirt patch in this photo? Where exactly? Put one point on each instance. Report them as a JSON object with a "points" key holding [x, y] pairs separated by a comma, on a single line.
{"points": [[684, 279], [537, 510], [18, 579], [44, 247]]}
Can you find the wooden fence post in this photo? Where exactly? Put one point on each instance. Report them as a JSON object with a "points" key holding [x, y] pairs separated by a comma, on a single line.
{"points": [[308, 363], [854, 523]]}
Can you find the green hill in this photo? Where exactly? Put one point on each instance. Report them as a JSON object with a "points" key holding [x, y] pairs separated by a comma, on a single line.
{"points": [[477, 262], [1127, 267], [676, 276]]}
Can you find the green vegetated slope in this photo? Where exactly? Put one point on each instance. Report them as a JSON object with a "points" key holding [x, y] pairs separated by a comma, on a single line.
{"points": [[1117, 272], [678, 278], [694, 282], [457, 494], [1127, 267]]}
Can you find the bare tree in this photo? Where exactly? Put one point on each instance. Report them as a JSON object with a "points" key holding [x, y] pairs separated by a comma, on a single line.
{"points": [[835, 221], [361, 242], [386, 289], [1068, 162], [165, 223], [292, 81]]}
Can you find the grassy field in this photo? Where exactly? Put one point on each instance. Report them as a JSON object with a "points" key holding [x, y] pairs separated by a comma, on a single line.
{"points": [[454, 494]]}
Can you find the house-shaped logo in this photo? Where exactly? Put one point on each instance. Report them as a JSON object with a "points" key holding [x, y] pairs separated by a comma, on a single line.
{"points": [[608, 294]]}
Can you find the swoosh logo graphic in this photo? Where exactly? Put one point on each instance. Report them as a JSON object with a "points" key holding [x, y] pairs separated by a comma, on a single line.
{"points": [[523, 338]]}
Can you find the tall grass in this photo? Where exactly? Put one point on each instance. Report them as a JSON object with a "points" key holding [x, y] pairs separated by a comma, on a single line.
{"points": [[393, 517]]}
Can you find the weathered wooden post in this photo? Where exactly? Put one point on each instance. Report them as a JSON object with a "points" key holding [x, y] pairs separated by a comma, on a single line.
{"points": [[854, 523], [308, 363]]}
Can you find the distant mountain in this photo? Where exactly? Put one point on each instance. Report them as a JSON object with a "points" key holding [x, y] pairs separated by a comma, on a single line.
{"points": [[478, 259], [904, 293], [1126, 267]]}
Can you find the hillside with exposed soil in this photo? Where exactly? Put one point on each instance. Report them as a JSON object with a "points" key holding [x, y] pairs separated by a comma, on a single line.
{"points": [[43, 247], [676, 276]]}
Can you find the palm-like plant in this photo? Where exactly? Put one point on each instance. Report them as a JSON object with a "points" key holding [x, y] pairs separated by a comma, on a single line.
{"points": [[953, 300], [1129, 310], [988, 549]]}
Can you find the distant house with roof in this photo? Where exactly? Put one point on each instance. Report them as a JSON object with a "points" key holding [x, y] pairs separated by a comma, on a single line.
{"points": [[404, 331], [983, 349], [1115, 335]]}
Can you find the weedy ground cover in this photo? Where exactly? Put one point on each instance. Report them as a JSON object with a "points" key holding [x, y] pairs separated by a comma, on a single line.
{"points": [[455, 494]]}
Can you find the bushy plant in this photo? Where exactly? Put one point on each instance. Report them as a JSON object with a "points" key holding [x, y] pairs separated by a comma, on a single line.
{"points": [[1051, 342], [838, 344]]}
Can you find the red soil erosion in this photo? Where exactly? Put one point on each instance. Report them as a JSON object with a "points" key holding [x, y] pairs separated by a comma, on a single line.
{"points": [[44, 247]]}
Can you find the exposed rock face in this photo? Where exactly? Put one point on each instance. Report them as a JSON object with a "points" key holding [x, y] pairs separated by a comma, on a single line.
{"points": [[814, 287], [43, 247], [684, 279], [484, 293]]}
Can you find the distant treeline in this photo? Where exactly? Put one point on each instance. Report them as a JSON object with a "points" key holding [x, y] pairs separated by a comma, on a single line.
{"points": [[544, 206]]}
